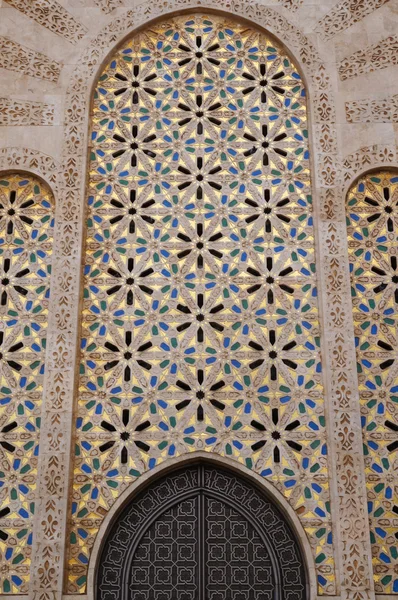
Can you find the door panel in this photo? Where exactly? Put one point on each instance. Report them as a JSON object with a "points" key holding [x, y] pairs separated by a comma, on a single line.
{"points": [[238, 566], [201, 533], [168, 563], [165, 562]]}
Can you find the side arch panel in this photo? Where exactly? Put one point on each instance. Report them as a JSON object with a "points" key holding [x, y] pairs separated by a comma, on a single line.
{"points": [[372, 227], [26, 245]]}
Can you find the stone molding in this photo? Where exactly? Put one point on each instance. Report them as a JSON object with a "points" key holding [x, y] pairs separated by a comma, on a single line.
{"points": [[348, 484], [46, 167]]}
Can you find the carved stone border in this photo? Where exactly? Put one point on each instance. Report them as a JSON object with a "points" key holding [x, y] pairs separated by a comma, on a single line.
{"points": [[345, 441], [367, 159], [14, 158]]}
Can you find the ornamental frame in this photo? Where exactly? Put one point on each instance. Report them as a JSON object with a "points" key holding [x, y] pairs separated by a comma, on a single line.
{"points": [[348, 490]]}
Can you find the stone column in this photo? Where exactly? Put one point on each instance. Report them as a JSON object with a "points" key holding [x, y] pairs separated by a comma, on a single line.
{"points": [[56, 460], [348, 486]]}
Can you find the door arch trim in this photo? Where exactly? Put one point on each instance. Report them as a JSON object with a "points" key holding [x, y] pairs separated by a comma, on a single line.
{"points": [[145, 480]]}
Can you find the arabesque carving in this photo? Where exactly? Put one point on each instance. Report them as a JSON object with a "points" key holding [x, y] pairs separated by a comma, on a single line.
{"points": [[292, 5], [16, 158], [345, 14], [373, 111], [378, 56], [366, 158], [107, 6], [23, 112], [52, 15], [21, 59]]}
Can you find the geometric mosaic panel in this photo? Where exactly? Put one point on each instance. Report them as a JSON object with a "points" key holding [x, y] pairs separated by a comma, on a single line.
{"points": [[372, 221], [26, 234], [200, 314]]}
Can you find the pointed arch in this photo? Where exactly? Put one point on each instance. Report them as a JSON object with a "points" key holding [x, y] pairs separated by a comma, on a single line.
{"points": [[232, 474], [200, 210]]}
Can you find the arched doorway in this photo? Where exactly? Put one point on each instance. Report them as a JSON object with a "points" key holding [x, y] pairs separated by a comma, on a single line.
{"points": [[201, 533]]}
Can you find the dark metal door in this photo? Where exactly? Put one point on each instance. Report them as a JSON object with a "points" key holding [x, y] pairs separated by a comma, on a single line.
{"points": [[165, 564], [237, 564], [201, 534], [169, 562]]}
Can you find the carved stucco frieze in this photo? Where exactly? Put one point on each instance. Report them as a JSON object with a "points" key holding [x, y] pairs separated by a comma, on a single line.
{"points": [[19, 58], [345, 14], [107, 6], [372, 58], [16, 158], [52, 15], [292, 5], [373, 111], [24, 112], [366, 158]]}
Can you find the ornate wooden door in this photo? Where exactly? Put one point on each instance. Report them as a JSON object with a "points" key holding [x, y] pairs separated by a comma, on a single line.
{"points": [[201, 534]]}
